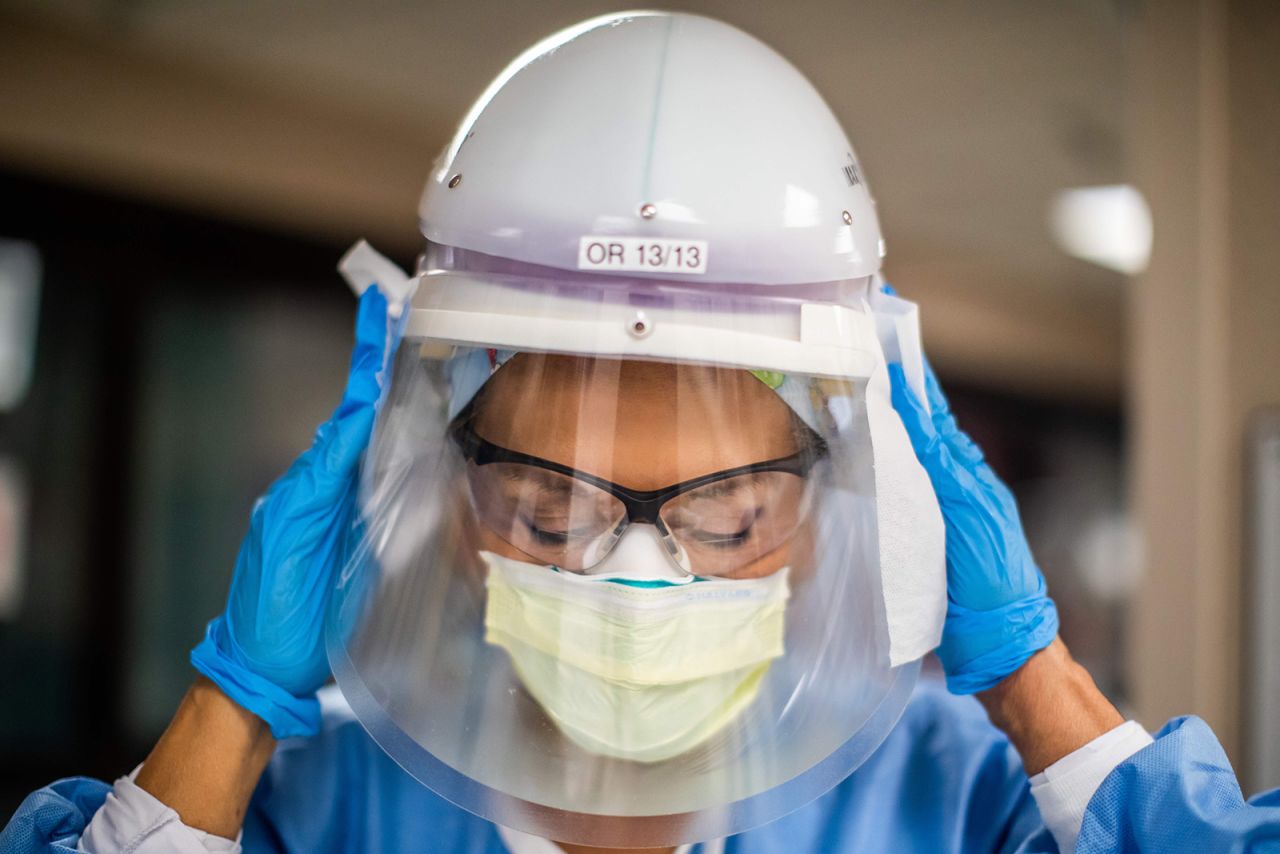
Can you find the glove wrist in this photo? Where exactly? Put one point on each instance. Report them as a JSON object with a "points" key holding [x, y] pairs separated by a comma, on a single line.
{"points": [[286, 714], [980, 648]]}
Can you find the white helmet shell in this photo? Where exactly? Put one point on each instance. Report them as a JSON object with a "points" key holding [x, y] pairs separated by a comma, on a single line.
{"points": [[656, 144]]}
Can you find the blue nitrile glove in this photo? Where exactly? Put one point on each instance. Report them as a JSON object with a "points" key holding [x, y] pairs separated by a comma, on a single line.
{"points": [[998, 611], [266, 651]]}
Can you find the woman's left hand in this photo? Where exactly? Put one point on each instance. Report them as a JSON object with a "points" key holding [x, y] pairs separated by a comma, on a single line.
{"points": [[998, 611]]}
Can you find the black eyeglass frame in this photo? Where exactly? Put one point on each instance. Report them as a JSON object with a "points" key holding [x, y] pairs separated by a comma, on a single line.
{"points": [[642, 506]]}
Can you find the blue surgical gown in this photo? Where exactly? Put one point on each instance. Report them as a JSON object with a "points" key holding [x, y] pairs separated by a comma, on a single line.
{"points": [[945, 780]]}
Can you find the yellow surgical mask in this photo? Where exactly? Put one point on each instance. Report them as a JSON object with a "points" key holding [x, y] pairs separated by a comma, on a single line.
{"points": [[641, 670]]}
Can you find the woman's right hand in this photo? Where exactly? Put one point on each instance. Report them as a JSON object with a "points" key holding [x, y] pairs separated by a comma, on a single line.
{"points": [[266, 650]]}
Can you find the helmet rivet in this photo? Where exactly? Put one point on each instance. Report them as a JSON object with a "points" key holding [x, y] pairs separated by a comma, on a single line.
{"points": [[847, 217], [455, 180], [648, 210], [639, 326]]}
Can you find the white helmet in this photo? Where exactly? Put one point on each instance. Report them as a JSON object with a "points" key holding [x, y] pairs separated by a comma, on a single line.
{"points": [[664, 144]]}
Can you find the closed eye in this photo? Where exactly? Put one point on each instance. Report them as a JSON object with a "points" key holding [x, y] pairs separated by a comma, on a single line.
{"points": [[551, 536], [723, 541]]}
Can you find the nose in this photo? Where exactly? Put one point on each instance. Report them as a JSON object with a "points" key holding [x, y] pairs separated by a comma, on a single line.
{"points": [[639, 555]]}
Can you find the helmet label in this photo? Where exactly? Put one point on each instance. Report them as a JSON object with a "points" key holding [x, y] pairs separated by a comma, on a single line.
{"points": [[642, 254], [852, 173]]}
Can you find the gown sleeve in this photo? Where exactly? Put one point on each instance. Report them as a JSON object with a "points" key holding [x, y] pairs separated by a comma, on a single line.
{"points": [[53, 818], [84, 815], [1179, 795]]}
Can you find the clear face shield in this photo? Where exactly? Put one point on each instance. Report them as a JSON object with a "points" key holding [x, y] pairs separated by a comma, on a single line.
{"points": [[620, 573]]}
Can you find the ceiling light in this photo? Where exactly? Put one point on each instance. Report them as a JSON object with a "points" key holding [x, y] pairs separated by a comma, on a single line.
{"points": [[1108, 225]]}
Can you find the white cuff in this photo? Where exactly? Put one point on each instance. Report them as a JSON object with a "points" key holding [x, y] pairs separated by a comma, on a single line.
{"points": [[133, 820], [1064, 789]]}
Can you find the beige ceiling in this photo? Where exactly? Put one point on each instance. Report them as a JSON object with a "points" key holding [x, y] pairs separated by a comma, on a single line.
{"points": [[968, 117]]}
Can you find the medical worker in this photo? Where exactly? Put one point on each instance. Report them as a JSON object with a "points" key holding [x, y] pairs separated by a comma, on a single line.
{"points": [[637, 516]]}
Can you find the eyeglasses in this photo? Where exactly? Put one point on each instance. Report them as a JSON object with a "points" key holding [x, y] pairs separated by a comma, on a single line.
{"points": [[711, 525]]}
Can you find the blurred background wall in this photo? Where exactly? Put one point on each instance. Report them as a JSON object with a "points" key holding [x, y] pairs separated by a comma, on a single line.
{"points": [[177, 180]]}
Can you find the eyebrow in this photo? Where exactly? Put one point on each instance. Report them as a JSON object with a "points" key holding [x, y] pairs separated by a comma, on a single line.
{"points": [[721, 488], [555, 484], [537, 478]]}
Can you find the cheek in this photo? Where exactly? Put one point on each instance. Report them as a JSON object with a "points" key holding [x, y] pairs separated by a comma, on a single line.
{"points": [[803, 552], [487, 540], [796, 553]]}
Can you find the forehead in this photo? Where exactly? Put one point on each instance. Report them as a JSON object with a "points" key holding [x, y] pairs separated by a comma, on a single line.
{"points": [[644, 424]]}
